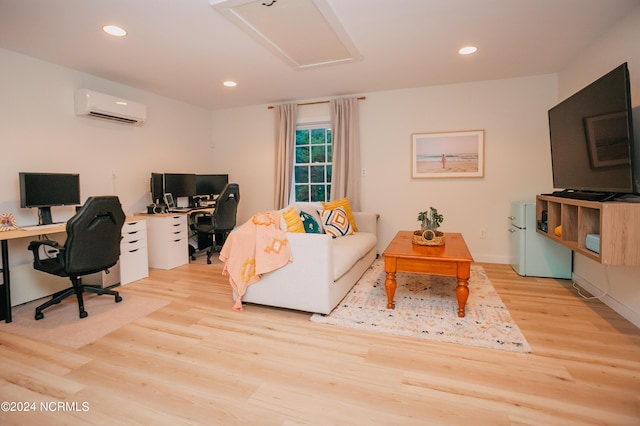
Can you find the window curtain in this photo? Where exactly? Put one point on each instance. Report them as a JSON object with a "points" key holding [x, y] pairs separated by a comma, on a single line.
{"points": [[285, 117], [346, 151]]}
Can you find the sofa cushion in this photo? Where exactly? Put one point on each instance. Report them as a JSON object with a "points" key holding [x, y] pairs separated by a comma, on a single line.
{"points": [[292, 220], [311, 208], [349, 249], [311, 225], [344, 203], [336, 223]]}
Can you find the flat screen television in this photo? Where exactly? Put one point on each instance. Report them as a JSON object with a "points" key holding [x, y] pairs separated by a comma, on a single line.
{"points": [[211, 184], [180, 184], [593, 152], [46, 190]]}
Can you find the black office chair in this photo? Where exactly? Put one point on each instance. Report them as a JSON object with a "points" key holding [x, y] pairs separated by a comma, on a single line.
{"points": [[92, 245], [221, 221]]}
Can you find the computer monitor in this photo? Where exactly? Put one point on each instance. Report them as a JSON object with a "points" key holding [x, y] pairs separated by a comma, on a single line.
{"points": [[157, 187], [46, 190], [210, 184], [180, 184]]}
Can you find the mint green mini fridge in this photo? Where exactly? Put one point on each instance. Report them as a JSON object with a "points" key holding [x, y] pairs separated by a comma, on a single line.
{"points": [[532, 254]]}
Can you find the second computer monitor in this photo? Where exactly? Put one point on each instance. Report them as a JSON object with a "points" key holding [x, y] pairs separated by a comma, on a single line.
{"points": [[180, 184], [157, 187], [210, 184]]}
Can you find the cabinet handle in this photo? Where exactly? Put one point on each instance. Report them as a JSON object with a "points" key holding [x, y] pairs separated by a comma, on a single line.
{"points": [[133, 251], [133, 242], [512, 230], [511, 217]]}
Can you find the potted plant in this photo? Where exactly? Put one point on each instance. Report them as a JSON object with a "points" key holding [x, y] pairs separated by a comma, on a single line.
{"points": [[430, 219]]}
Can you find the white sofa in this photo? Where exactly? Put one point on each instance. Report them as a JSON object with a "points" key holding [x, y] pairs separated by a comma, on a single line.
{"points": [[323, 269]]}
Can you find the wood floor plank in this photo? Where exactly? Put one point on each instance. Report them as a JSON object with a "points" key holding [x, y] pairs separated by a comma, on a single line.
{"points": [[196, 361]]}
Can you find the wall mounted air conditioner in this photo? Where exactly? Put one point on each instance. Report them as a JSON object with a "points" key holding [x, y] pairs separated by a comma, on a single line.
{"points": [[106, 107]]}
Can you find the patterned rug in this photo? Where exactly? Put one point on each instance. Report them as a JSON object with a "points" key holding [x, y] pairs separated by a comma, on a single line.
{"points": [[426, 308]]}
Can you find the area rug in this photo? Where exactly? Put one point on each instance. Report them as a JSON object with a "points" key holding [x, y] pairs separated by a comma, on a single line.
{"points": [[427, 308], [62, 325]]}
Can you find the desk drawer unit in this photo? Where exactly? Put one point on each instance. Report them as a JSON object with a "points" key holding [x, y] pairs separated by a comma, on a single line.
{"points": [[134, 260], [167, 241]]}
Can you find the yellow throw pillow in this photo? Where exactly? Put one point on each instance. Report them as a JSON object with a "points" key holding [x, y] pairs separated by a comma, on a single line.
{"points": [[344, 203], [293, 220]]}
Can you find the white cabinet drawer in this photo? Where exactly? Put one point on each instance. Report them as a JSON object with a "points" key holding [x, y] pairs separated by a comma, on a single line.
{"points": [[134, 259], [134, 265], [167, 241]]}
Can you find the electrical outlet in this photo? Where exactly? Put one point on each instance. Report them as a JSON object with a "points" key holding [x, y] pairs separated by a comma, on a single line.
{"points": [[483, 233]]}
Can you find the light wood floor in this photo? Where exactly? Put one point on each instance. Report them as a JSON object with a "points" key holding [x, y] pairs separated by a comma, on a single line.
{"points": [[196, 361]]}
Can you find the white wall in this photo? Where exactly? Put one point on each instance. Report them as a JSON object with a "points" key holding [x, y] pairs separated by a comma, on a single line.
{"points": [[517, 159], [39, 132], [619, 45]]}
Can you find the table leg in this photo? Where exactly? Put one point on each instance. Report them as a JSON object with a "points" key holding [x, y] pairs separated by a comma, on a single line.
{"points": [[390, 285], [462, 290], [5, 288], [462, 293]]}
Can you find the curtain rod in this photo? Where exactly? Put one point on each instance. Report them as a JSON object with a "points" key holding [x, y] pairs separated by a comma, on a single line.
{"points": [[361, 98]]}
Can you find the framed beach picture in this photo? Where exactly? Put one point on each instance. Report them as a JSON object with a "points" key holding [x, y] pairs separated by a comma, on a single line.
{"points": [[447, 154]]}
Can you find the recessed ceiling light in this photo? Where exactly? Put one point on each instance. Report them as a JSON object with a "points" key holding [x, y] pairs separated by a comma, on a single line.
{"points": [[230, 83], [114, 30], [467, 50]]}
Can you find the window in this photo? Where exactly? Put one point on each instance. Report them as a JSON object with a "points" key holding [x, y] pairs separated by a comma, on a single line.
{"points": [[312, 163]]}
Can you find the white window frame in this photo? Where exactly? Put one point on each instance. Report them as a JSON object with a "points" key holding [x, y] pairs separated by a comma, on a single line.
{"points": [[327, 183]]}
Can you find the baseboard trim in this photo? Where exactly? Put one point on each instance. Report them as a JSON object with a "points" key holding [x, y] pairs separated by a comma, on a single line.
{"points": [[492, 259], [627, 313]]}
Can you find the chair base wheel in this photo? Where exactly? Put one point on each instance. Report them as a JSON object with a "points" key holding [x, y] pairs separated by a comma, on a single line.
{"points": [[39, 316], [118, 299], [83, 314]]}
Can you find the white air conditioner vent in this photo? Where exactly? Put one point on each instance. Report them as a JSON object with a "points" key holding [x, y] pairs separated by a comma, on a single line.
{"points": [[106, 107]]}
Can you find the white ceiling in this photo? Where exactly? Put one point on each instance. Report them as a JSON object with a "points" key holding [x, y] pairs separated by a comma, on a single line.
{"points": [[185, 49]]}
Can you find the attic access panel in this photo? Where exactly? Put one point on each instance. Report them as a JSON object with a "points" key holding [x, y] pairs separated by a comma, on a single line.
{"points": [[305, 33]]}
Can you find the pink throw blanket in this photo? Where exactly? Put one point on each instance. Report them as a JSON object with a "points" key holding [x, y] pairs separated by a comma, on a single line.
{"points": [[258, 246]]}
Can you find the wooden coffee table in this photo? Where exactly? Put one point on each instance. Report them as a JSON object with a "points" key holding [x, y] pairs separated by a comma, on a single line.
{"points": [[452, 259]]}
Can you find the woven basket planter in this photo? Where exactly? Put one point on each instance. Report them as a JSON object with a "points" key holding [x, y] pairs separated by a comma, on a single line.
{"points": [[428, 237]]}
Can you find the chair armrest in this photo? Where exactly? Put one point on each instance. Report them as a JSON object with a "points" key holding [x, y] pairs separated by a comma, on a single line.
{"points": [[34, 246], [196, 217]]}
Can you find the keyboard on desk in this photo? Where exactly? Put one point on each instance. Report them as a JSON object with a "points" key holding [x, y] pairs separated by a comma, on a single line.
{"points": [[43, 227], [180, 209]]}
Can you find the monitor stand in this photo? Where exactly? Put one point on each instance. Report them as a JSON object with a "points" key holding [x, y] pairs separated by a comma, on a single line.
{"points": [[44, 213]]}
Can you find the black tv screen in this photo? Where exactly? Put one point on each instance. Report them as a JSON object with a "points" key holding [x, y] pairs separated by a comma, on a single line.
{"points": [[210, 184], [180, 184], [592, 145], [46, 190], [49, 189]]}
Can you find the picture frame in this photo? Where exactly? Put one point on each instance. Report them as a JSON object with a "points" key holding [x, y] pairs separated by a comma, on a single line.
{"points": [[607, 140], [7, 222], [448, 154]]}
